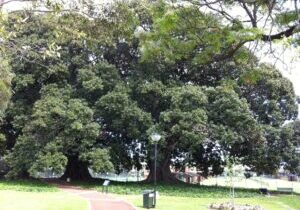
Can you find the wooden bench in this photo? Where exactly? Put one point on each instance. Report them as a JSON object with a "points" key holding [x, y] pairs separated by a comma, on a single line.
{"points": [[285, 189]]}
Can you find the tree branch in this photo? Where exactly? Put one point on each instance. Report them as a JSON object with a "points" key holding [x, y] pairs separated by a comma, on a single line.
{"points": [[245, 7], [209, 5], [230, 52], [296, 8], [287, 33], [206, 3]]}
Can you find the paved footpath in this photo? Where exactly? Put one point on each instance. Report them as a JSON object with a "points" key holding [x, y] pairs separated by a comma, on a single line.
{"points": [[97, 201]]}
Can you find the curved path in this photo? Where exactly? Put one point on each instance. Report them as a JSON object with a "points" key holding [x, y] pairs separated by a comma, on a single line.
{"points": [[97, 201]]}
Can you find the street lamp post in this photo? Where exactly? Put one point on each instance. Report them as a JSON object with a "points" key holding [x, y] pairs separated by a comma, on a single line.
{"points": [[155, 137]]}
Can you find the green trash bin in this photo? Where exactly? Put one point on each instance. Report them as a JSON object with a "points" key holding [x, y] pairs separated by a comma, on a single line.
{"points": [[148, 199]]}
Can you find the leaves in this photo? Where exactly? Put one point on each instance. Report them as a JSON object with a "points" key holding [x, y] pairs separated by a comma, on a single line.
{"points": [[92, 90], [55, 162], [122, 115], [99, 160], [286, 17], [5, 83], [187, 33]]}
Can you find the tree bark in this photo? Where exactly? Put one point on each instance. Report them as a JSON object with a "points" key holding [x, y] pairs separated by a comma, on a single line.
{"points": [[24, 175], [76, 170], [163, 171]]}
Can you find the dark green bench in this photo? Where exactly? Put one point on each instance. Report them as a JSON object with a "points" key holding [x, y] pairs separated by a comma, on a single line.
{"points": [[285, 189]]}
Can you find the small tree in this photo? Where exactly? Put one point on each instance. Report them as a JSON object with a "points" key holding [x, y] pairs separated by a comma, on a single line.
{"points": [[233, 170]]}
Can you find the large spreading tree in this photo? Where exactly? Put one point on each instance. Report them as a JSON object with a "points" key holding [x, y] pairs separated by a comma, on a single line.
{"points": [[90, 89], [50, 121]]}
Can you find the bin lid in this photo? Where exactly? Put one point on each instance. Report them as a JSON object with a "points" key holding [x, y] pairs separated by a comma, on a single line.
{"points": [[147, 191]]}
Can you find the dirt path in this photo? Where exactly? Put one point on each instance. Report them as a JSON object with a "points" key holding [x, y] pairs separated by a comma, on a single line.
{"points": [[97, 201]]}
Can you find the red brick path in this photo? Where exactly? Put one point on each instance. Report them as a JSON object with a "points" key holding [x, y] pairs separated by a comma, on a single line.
{"points": [[97, 201]]}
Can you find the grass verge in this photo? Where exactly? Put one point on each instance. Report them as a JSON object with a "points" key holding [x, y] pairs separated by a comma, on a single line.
{"points": [[36, 195], [26, 186], [194, 197], [17, 200], [178, 190], [179, 203]]}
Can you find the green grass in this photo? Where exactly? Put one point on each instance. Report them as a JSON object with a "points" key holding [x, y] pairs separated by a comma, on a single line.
{"points": [[292, 201], [179, 203], [179, 190], [253, 182], [17, 200], [36, 195], [195, 197], [26, 186]]}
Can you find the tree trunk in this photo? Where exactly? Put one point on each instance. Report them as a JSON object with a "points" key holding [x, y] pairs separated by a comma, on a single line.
{"points": [[23, 175], [163, 172], [76, 170]]}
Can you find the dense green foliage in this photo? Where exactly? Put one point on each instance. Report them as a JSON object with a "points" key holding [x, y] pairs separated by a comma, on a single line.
{"points": [[54, 121], [5, 82], [291, 157], [89, 93], [280, 149]]}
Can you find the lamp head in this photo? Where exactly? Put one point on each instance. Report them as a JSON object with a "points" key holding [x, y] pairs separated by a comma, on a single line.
{"points": [[155, 137]]}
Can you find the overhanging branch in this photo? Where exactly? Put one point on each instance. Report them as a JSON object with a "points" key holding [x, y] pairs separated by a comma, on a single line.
{"points": [[287, 33]]}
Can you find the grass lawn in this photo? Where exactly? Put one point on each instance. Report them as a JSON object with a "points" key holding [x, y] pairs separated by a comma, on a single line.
{"points": [[180, 203], [26, 186], [253, 182], [195, 197], [17, 200], [34, 195], [180, 189]]}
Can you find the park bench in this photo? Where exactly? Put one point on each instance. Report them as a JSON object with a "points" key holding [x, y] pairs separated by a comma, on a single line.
{"points": [[285, 189]]}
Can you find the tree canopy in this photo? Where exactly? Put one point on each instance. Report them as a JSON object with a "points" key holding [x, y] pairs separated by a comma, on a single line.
{"points": [[88, 93]]}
